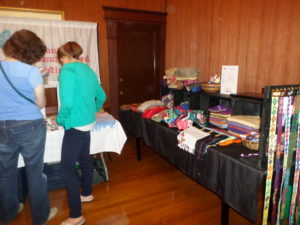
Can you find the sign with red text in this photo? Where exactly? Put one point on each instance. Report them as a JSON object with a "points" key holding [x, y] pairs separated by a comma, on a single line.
{"points": [[55, 33]]}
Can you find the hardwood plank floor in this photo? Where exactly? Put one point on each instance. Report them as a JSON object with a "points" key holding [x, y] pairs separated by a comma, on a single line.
{"points": [[149, 192]]}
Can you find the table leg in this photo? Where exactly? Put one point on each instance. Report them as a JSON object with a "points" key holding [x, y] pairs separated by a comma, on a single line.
{"points": [[224, 213], [138, 148], [104, 166]]}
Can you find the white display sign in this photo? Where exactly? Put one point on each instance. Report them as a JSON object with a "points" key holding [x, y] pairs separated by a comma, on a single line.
{"points": [[229, 79]]}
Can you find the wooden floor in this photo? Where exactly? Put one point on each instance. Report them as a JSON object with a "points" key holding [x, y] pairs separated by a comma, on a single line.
{"points": [[149, 192]]}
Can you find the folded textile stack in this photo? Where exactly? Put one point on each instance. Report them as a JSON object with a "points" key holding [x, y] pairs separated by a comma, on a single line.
{"points": [[218, 116], [187, 139], [243, 125]]}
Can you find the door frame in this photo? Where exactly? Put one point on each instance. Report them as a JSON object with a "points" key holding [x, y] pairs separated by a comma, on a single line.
{"points": [[113, 16]]}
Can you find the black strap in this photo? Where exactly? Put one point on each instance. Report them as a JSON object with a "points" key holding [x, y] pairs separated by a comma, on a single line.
{"points": [[10, 83]]}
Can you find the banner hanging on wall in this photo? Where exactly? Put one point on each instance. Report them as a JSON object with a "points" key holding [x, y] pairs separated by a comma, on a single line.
{"points": [[55, 33]]}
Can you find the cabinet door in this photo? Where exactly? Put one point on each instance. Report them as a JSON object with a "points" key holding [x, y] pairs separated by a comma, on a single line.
{"points": [[137, 61]]}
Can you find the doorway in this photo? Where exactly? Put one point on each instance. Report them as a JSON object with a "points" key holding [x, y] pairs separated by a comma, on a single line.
{"points": [[136, 54]]}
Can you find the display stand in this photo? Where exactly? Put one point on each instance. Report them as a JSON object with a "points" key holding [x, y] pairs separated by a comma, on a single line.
{"points": [[280, 132], [265, 119]]}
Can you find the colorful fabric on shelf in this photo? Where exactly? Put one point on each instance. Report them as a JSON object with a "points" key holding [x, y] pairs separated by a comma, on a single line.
{"points": [[218, 116], [220, 108], [243, 125], [249, 121]]}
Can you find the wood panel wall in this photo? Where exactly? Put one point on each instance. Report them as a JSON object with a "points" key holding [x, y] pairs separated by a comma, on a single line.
{"points": [[90, 11], [259, 35]]}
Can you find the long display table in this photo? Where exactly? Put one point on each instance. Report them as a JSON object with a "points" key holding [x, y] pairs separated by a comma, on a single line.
{"points": [[236, 180]]}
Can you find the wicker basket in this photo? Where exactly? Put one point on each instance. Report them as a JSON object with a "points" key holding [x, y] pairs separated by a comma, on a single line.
{"points": [[253, 145], [209, 87]]}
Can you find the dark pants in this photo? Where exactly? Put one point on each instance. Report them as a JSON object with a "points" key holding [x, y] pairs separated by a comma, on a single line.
{"points": [[76, 148], [25, 137]]}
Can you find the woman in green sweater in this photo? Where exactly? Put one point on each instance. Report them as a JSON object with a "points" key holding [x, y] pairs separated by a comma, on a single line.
{"points": [[81, 96]]}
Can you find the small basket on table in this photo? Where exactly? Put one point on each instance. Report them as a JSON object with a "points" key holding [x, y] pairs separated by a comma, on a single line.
{"points": [[210, 87]]}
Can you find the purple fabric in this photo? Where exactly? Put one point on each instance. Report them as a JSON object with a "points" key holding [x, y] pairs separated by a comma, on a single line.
{"points": [[220, 108]]}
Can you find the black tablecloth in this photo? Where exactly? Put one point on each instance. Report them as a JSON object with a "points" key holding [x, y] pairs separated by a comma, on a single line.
{"points": [[236, 180]]}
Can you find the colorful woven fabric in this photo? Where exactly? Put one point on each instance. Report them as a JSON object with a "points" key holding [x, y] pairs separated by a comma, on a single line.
{"points": [[287, 188], [152, 110], [218, 115], [296, 130], [272, 144], [284, 140], [276, 185], [249, 121]]}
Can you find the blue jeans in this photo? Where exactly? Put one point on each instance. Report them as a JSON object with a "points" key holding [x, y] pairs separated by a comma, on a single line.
{"points": [[26, 137], [76, 148]]}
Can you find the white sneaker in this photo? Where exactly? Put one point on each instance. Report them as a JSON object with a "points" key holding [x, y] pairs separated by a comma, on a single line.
{"points": [[21, 207], [52, 214]]}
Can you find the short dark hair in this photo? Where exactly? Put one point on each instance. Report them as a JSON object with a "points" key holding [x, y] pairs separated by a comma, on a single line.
{"points": [[25, 46], [71, 49]]}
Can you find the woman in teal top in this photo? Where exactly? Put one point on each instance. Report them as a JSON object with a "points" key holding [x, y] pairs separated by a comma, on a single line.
{"points": [[81, 96]]}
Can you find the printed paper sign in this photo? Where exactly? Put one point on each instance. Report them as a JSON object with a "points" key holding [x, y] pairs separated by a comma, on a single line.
{"points": [[229, 79]]}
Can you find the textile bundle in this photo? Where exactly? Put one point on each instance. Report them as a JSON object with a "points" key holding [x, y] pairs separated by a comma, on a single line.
{"points": [[187, 139], [243, 125], [218, 116]]}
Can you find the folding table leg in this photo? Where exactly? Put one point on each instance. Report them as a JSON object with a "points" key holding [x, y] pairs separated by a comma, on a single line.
{"points": [[104, 166], [138, 148], [224, 213]]}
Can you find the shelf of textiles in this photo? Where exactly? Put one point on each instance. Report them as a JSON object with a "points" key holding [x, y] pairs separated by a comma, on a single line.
{"points": [[239, 114], [241, 104]]}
